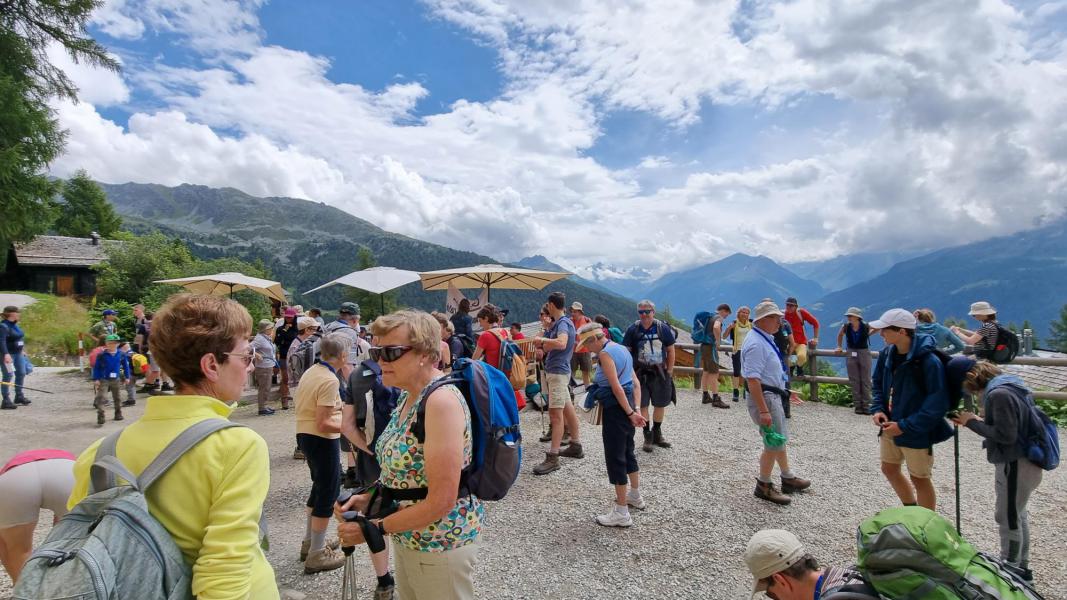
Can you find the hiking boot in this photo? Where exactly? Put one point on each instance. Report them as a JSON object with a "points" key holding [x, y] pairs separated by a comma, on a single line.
{"points": [[657, 439], [266, 411], [614, 518], [737, 396], [23, 401], [129, 403], [647, 446], [166, 387], [574, 450], [861, 410], [635, 500], [717, 402], [383, 593], [305, 546], [148, 388], [298, 454], [551, 464], [546, 437], [566, 441], [325, 559], [766, 491], [705, 398], [796, 484], [8, 405], [100, 418], [119, 417]]}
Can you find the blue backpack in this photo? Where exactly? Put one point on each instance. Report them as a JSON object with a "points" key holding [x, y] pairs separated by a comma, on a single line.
{"points": [[496, 437], [704, 328], [1042, 441]]}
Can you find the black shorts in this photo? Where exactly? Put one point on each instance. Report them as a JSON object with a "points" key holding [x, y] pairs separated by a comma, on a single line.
{"points": [[324, 462], [656, 389], [736, 358]]}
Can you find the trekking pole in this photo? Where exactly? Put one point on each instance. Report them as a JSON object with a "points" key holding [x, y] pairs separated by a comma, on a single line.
{"points": [[956, 445], [348, 579], [8, 383]]}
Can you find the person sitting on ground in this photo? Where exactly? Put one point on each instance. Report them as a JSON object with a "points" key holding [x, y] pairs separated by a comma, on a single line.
{"points": [[651, 344], [737, 332], [709, 359], [614, 385], [797, 317], [13, 362], [211, 500], [581, 360], [434, 539], [985, 339], [1006, 403], [110, 372], [946, 341], [857, 334], [783, 570], [908, 405], [263, 346], [318, 433], [104, 327], [464, 327], [613, 333], [31, 481], [768, 391]]}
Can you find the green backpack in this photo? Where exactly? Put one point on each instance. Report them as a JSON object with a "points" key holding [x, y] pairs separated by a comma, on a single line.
{"points": [[913, 553]]}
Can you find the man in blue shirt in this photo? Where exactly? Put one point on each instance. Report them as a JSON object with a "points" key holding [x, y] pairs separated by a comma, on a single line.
{"points": [[558, 344], [764, 373], [651, 343]]}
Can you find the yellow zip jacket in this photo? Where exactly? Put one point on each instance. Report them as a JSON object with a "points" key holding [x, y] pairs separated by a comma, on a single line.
{"points": [[209, 501]]}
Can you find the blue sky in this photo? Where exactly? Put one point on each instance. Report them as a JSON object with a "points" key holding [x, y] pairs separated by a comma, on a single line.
{"points": [[812, 130]]}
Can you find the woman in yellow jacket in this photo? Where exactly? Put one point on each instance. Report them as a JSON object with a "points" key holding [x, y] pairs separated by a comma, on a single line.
{"points": [[210, 501]]}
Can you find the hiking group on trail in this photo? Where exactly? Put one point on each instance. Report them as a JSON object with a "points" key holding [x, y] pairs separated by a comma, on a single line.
{"points": [[426, 414]]}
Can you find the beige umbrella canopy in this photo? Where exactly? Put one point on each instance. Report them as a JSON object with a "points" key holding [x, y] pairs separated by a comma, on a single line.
{"points": [[227, 283], [489, 277]]}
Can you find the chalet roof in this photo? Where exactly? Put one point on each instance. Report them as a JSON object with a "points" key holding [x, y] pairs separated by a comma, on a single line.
{"points": [[1041, 377], [61, 251]]}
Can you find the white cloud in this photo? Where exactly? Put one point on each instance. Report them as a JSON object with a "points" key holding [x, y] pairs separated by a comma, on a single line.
{"points": [[208, 25]]}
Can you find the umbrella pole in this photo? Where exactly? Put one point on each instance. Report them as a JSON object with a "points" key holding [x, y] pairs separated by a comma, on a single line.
{"points": [[381, 298]]}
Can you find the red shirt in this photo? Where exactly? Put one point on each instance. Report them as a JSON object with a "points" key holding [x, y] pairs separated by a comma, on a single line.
{"points": [[490, 345], [796, 322], [578, 323]]}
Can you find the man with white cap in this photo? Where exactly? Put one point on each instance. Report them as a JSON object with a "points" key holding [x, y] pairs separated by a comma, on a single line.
{"points": [[783, 570], [768, 389], [909, 403]]}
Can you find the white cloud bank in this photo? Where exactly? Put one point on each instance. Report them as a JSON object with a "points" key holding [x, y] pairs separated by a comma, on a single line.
{"points": [[969, 141]]}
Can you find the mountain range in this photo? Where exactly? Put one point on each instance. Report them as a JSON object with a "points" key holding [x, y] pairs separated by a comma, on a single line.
{"points": [[305, 244]]}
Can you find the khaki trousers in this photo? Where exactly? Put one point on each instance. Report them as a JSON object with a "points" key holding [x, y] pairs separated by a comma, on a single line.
{"points": [[447, 575]]}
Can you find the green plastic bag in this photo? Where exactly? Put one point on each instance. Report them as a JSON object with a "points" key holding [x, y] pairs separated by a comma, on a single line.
{"points": [[772, 438]]}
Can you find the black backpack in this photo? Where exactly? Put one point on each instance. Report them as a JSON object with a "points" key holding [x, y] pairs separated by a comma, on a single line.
{"points": [[1004, 350]]}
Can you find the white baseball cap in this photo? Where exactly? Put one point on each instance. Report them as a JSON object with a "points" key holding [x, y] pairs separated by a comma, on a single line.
{"points": [[771, 551], [577, 306], [895, 317]]}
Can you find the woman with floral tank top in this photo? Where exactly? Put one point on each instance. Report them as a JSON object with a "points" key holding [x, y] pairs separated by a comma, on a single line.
{"points": [[435, 538]]}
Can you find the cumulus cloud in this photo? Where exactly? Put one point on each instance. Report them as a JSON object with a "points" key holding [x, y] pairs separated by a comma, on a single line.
{"points": [[967, 137]]}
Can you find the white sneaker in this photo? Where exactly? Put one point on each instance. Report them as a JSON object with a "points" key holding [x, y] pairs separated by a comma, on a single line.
{"points": [[635, 500], [614, 518]]}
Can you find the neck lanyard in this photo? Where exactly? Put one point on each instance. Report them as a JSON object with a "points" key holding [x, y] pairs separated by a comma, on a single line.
{"points": [[818, 587], [769, 341], [343, 389]]}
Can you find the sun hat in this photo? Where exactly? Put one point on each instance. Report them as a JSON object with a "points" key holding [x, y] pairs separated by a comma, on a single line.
{"points": [[305, 322], [955, 372], [854, 312], [894, 317], [112, 337], [585, 336], [290, 312], [982, 308], [577, 306], [109, 312], [265, 324], [766, 309], [771, 551], [349, 308]]}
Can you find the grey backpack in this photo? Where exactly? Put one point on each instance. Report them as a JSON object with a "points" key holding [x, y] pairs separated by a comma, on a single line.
{"points": [[109, 547]]}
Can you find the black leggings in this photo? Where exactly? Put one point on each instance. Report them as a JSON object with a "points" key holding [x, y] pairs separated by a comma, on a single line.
{"points": [[618, 433], [324, 461]]}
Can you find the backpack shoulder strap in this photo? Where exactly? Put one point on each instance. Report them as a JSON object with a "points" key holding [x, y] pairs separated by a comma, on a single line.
{"points": [[185, 442], [418, 428], [102, 473]]}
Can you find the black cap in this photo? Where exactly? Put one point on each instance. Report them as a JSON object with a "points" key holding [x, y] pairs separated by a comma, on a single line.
{"points": [[955, 372], [791, 300]]}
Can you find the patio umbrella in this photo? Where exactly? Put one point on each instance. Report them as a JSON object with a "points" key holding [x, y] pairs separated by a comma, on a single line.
{"points": [[376, 280], [489, 277], [228, 283]]}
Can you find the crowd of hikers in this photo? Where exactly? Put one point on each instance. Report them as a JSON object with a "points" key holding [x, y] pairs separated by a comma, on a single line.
{"points": [[410, 425]]}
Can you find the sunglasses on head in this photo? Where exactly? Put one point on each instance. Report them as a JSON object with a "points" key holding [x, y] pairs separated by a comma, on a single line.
{"points": [[644, 311], [387, 354]]}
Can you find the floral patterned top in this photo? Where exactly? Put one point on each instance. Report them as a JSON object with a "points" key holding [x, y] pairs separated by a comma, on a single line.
{"points": [[401, 457]]}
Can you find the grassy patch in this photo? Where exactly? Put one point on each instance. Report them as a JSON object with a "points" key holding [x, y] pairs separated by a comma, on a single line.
{"points": [[52, 325]]}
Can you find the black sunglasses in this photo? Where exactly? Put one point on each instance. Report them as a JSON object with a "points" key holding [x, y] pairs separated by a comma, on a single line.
{"points": [[644, 312], [388, 354]]}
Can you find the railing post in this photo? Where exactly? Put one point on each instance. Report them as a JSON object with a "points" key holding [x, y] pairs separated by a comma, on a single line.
{"points": [[813, 389]]}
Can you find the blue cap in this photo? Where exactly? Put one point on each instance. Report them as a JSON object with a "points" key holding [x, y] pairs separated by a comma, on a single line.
{"points": [[108, 312]]}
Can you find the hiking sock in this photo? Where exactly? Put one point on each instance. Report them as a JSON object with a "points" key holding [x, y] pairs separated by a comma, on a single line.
{"points": [[656, 427], [622, 510], [737, 392], [318, 540], [763, 479], [788, 475], [307, 529], [910, 504], [386, 580], [648, 429]]}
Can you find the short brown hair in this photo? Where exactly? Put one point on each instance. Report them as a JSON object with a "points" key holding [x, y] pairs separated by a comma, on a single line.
{"points": [[979, 376], [10, 309], [805, 565], [925, 315], [489, 313], [725, 307], [424, 333], [189, 326]]}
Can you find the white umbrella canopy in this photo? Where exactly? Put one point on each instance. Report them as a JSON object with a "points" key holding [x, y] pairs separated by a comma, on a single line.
{"points": [[489, 277], [376, 280], [222, 284]]}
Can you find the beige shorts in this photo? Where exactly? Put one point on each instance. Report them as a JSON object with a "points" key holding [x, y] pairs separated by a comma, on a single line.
{"points": [[447, 575], [559, 391], [920, 461], [26, 489]]}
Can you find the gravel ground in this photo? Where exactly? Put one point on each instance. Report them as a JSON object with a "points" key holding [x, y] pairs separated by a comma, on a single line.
{"points": [[541, 541]]}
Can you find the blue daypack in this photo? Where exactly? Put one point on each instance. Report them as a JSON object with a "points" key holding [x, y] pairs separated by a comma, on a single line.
{"points": [[704, 328], [1042, 441], [496, 451]]}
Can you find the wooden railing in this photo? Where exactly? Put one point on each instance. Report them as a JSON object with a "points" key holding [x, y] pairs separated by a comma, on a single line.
{"points": [[814, 380]]}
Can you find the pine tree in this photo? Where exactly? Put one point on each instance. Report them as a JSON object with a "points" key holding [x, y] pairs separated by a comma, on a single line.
{"points": [[1058, 340], [86, 209]]}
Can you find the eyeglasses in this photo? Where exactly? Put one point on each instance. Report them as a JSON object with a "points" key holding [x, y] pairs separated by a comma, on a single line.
{"points": [[388, 354], [246, 357], [644, 311]]}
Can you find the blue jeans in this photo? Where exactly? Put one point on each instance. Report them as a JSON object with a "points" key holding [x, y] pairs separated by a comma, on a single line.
{"points": [[17, 369]]}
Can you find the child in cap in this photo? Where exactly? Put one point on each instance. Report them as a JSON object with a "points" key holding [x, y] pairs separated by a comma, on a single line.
{"points": [[131, 388], [110, 372]]}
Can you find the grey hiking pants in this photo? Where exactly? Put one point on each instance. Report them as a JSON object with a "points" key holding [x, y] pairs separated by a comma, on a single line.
{"points": [[859, 377], [1014, 482], [114, 386]]}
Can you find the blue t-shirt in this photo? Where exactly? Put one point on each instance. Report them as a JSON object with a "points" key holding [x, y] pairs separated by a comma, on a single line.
{"points": [[558, 362], [760, 358], [649, 346], [624, 365]]}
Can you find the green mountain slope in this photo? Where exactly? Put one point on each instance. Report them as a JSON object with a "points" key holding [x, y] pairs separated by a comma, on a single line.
{"points": [[305, 244]]}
